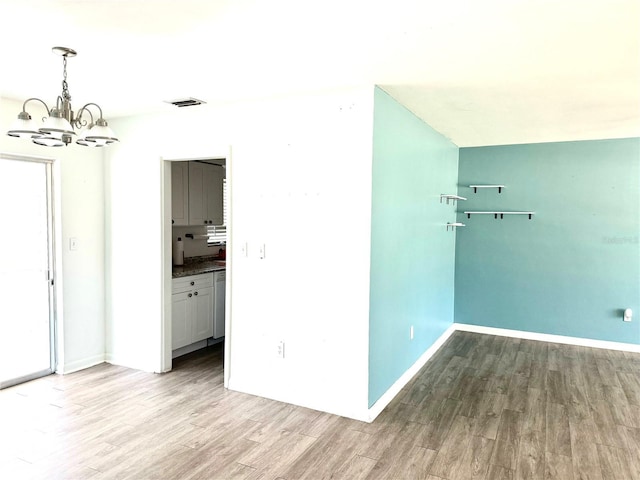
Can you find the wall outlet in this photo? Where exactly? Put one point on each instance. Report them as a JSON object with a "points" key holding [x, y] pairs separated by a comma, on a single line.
{"points": [[281, 349], [411, 332]]}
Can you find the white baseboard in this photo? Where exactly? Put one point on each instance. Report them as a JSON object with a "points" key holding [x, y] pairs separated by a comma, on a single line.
{"points": [[547, 337], [80, 364], [128, 362], [300, 401], [399, 384]]}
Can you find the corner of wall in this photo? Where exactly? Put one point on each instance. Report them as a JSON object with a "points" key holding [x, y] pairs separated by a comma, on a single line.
{"points": [[411, 286]]}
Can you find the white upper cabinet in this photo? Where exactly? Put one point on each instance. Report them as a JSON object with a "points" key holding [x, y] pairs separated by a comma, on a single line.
{"points": [[196, 194], [205, 194], [213, 194], [180, 193]]}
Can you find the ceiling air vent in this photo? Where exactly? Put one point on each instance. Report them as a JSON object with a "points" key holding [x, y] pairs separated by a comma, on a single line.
{"points": [[186, 102]]}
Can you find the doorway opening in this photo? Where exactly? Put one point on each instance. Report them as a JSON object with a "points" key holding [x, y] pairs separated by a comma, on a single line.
{"points": [[196, 246], [27, 309]]}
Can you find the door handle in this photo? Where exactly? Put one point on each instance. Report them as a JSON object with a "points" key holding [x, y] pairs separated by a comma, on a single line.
{"points": [[196, 293], [190, 295]]}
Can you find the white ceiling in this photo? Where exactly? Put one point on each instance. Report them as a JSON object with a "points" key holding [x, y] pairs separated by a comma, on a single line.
{"points": [[482, 72]]}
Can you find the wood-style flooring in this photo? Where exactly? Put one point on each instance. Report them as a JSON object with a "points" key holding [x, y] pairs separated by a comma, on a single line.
{"points": [[483, 407]]}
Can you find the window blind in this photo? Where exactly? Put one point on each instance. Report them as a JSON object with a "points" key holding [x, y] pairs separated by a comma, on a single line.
{"points": [[217, 234]]}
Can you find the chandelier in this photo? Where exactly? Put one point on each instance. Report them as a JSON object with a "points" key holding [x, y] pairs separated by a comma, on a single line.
{"points": [[57, 129]]}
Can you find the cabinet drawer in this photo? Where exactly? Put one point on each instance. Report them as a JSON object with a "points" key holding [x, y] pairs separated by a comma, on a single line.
{"points": [[183, 284]]}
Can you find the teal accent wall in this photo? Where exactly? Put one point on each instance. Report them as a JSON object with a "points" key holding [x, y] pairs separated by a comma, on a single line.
{"points": [[412, 254], [574, 267]]}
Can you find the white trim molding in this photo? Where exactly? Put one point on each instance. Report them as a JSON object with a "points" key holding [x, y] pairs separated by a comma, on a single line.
{"points": [[399, 384], [547, 337], [80, 364]]}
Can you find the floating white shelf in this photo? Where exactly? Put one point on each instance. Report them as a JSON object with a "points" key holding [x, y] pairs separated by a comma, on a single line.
{"points": [[454, 225], [448, 197], [476, 187], [502, 214]]}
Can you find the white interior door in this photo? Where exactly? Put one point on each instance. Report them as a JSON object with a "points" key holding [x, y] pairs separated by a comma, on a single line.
{"points": [[26, 314]]}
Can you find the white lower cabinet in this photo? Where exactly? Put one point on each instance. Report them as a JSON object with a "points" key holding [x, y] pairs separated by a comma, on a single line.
{"points": [[192, 309], [181, 307], [202, 326], [219, 282]]}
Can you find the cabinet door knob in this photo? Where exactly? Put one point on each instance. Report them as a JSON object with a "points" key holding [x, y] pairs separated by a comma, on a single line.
{"points": [[190, 295], [193, 283], [195, 293], [172, 222]]}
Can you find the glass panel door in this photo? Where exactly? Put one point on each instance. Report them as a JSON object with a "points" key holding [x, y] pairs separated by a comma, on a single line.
{"points": [[26, 320]]}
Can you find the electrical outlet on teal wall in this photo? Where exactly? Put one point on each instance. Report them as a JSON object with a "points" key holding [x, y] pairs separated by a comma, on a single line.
{"points": [[412, 253], [573, 267]]}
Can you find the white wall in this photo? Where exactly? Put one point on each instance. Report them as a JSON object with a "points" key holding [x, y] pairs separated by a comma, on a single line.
{"points": [[79, 191], [133, 253], [301, 173]]}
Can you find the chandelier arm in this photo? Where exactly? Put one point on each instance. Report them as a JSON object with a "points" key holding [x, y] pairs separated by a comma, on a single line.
{"points": [[24, 105], [95, 105], [83, 123]]}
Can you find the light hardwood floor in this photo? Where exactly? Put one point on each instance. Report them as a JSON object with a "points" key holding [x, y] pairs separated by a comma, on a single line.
{"points": [[483, 407]]}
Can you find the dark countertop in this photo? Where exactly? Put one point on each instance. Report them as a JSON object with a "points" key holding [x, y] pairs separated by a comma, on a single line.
{"points": [[198, 265]]}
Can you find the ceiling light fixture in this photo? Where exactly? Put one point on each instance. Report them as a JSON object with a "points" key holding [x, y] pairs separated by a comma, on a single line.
{"points": [[58, 128]]}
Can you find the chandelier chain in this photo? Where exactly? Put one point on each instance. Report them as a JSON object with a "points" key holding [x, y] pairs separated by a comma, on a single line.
{"points": [[65, 87]]}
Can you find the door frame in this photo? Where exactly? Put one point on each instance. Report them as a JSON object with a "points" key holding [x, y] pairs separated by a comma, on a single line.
{"points": [[167, 267], [53, 254]]}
